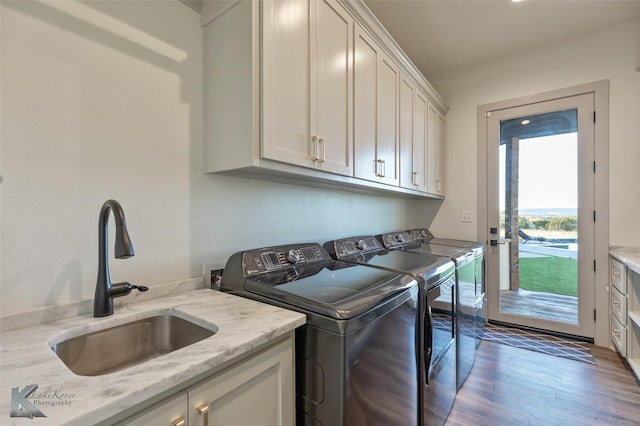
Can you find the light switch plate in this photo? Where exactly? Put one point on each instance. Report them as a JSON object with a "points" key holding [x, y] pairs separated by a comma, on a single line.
{"points": [[466, 217]]}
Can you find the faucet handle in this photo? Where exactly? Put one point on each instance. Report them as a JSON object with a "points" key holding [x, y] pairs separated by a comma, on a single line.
{"points": [[122, 289]]}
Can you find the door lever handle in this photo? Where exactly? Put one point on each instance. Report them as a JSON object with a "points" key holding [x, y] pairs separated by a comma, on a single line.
{"points": [[502, 241]]}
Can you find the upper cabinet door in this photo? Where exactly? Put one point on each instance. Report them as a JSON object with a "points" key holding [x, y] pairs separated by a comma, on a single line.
{"points": [[365, 109], [440, 154], [331, 86], [406, 104], [435, 150], [413, 135], [286, 58], [376, 86], [420, 142], [387, 140]]}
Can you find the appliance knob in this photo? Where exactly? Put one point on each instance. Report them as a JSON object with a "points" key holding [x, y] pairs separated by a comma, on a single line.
{"points": [[294, 256], [360, 245], [292, 276], [400, 238], [423, 233]]}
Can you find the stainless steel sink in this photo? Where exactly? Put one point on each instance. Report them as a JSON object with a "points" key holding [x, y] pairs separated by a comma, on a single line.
{"points": [[116, 348]]}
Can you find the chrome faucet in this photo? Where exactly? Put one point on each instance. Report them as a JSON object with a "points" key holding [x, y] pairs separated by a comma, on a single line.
{"points": [[105, 291]]}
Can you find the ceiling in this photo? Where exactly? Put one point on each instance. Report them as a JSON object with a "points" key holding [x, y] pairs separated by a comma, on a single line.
{"points": [[442, 35]]}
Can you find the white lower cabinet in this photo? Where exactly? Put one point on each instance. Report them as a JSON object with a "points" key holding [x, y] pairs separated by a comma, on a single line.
{"points": [[618, 280], [170, 412], [257, 391], [625, 311]]}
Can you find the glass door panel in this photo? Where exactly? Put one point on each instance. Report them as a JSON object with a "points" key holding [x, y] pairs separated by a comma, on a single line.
{"points": [[540, 171]]}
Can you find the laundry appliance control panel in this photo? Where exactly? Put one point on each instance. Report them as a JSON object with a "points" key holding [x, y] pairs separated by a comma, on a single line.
{"points": [[270, 259]]}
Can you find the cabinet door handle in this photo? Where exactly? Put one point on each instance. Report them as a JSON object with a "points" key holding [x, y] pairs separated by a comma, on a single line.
{"points": [[616, 332], [322, 150], [616, 304], [414, 176], [203, 409], [379, 168], [384, 168], [178, 421], [616, 275], [314, 148]]}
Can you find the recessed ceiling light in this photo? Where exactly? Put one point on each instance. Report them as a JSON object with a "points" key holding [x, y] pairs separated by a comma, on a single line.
{"points": [[516, 1], [525, 122]]}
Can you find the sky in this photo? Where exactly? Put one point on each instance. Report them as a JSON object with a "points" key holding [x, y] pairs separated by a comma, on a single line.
{"points": [[548, 172]]}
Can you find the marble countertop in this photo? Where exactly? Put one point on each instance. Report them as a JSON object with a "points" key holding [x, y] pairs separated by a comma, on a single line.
{"points": [[65, 398], [630, 256]]}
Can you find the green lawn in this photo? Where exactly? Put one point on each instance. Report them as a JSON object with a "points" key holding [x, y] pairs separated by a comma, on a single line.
{"points": [[550, 275]]}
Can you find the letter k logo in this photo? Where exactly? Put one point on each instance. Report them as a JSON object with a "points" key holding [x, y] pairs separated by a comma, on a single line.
{"points": [[21, 406]]}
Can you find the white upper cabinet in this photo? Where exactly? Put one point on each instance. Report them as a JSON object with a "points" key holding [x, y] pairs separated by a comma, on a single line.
{"points": [[376, 125], [308, 92], [306, 82], [413, 136], [387, 141], [435, 150], [365, 113], [286, 112], [419, 157], [331, 90]]}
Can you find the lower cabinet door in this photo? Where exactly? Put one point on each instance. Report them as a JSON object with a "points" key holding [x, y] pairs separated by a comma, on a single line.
{"points": [[258, 392], [169, 412]]}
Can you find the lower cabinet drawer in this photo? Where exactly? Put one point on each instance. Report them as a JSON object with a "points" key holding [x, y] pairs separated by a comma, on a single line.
{"points": [[619, 335], [618, 275], [619, 305]]}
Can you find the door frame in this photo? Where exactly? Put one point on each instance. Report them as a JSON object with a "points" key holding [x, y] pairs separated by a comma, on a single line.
{"points": [[600, 90]]}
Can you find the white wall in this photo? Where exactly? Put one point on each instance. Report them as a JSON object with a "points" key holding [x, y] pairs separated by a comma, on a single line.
{"points": [[612, 54], [103, 100]]}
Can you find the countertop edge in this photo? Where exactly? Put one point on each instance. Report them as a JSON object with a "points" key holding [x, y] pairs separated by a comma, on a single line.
{"points": [[630, 256]]}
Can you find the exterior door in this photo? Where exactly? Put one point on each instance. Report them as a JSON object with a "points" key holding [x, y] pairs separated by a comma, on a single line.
{"points": [[541, 214]]}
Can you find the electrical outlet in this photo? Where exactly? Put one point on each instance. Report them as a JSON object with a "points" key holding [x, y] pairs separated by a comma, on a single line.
{"points": [[211, 273], [466, 217]]}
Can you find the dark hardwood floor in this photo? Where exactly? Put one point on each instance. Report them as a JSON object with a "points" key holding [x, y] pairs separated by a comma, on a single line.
{"points": [[511, 386]]}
